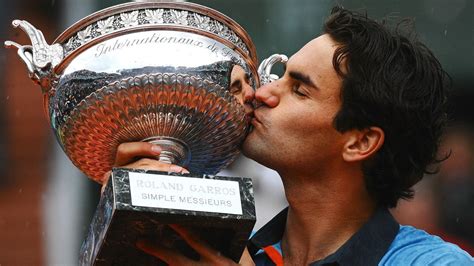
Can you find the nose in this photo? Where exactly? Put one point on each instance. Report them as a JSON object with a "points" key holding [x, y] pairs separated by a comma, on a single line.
{"points": [[267, 94], [248, 96], [248, 93]]}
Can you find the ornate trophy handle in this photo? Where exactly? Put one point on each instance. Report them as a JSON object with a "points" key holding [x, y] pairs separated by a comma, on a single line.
{"points": [[266, 67], [40, 58]]}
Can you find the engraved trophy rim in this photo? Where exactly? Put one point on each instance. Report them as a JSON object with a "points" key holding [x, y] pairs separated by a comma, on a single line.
{"points": [[250, 55]]}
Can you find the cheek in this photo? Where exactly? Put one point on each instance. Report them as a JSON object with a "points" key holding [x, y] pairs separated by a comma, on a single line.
{"points": [[303, 129], [303, 120], [291, 128]]}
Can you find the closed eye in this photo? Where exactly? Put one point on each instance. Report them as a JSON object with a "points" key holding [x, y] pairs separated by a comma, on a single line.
{"points": [[298, 91], [305, 79]]}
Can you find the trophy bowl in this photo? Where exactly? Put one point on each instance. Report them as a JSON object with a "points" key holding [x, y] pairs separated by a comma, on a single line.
{"points": [[156, 72], [166, 73]]}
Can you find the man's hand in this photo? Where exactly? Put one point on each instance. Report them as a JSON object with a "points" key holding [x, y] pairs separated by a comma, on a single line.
{"points": [[141, 155], [209, 256]]}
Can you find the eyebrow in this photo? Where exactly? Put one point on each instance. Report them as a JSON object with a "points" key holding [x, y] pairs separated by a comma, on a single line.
{"points": [[302, 78]]}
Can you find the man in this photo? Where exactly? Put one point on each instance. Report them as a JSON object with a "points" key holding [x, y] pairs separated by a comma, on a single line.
{"points": [[353, 124]]}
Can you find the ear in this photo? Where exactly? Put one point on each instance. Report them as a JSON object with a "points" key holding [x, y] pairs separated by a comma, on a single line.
{"points": [[362, 144]]}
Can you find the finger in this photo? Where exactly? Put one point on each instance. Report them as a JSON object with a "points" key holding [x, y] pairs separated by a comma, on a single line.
{"points": [[151, 164], [246, 259], [167, 255], [129, 151], [207, 253]]}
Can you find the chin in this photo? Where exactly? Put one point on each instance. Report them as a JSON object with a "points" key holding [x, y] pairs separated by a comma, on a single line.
{"points": [[249, 146], [253, 149]]}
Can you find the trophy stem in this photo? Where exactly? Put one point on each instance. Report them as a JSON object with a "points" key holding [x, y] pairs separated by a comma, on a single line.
{"points": [[173, 151]]}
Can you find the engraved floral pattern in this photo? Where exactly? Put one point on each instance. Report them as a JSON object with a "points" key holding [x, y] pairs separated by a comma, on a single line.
{"points": [[244, 48], [154, 16], [129, 19], [85, 35], [179, 17], [106, 25], [70, 45], [220, 28], [202, 22], [233, 37]]}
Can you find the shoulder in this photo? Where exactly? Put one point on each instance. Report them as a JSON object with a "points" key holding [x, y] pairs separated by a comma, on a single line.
{"points": [[412, 246]]}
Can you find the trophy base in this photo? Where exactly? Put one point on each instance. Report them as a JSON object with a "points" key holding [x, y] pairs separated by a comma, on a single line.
{"points": [[139, 204]]}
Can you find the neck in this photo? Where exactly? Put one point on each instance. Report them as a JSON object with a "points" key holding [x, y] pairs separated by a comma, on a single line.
{"points": [[324, 212]]}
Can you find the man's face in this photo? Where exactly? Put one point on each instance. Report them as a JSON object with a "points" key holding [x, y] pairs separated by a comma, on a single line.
{"points": [[241, 89], [293, 128]]}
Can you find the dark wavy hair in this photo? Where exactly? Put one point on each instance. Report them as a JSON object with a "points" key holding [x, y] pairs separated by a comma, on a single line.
{"points": [[391, 81]]}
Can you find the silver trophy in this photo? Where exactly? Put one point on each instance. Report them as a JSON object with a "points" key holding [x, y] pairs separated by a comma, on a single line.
{"points": [[161, 73]]}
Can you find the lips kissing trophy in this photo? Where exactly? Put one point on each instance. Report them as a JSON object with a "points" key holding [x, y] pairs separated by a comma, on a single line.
{"points": [[161, 73]]}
